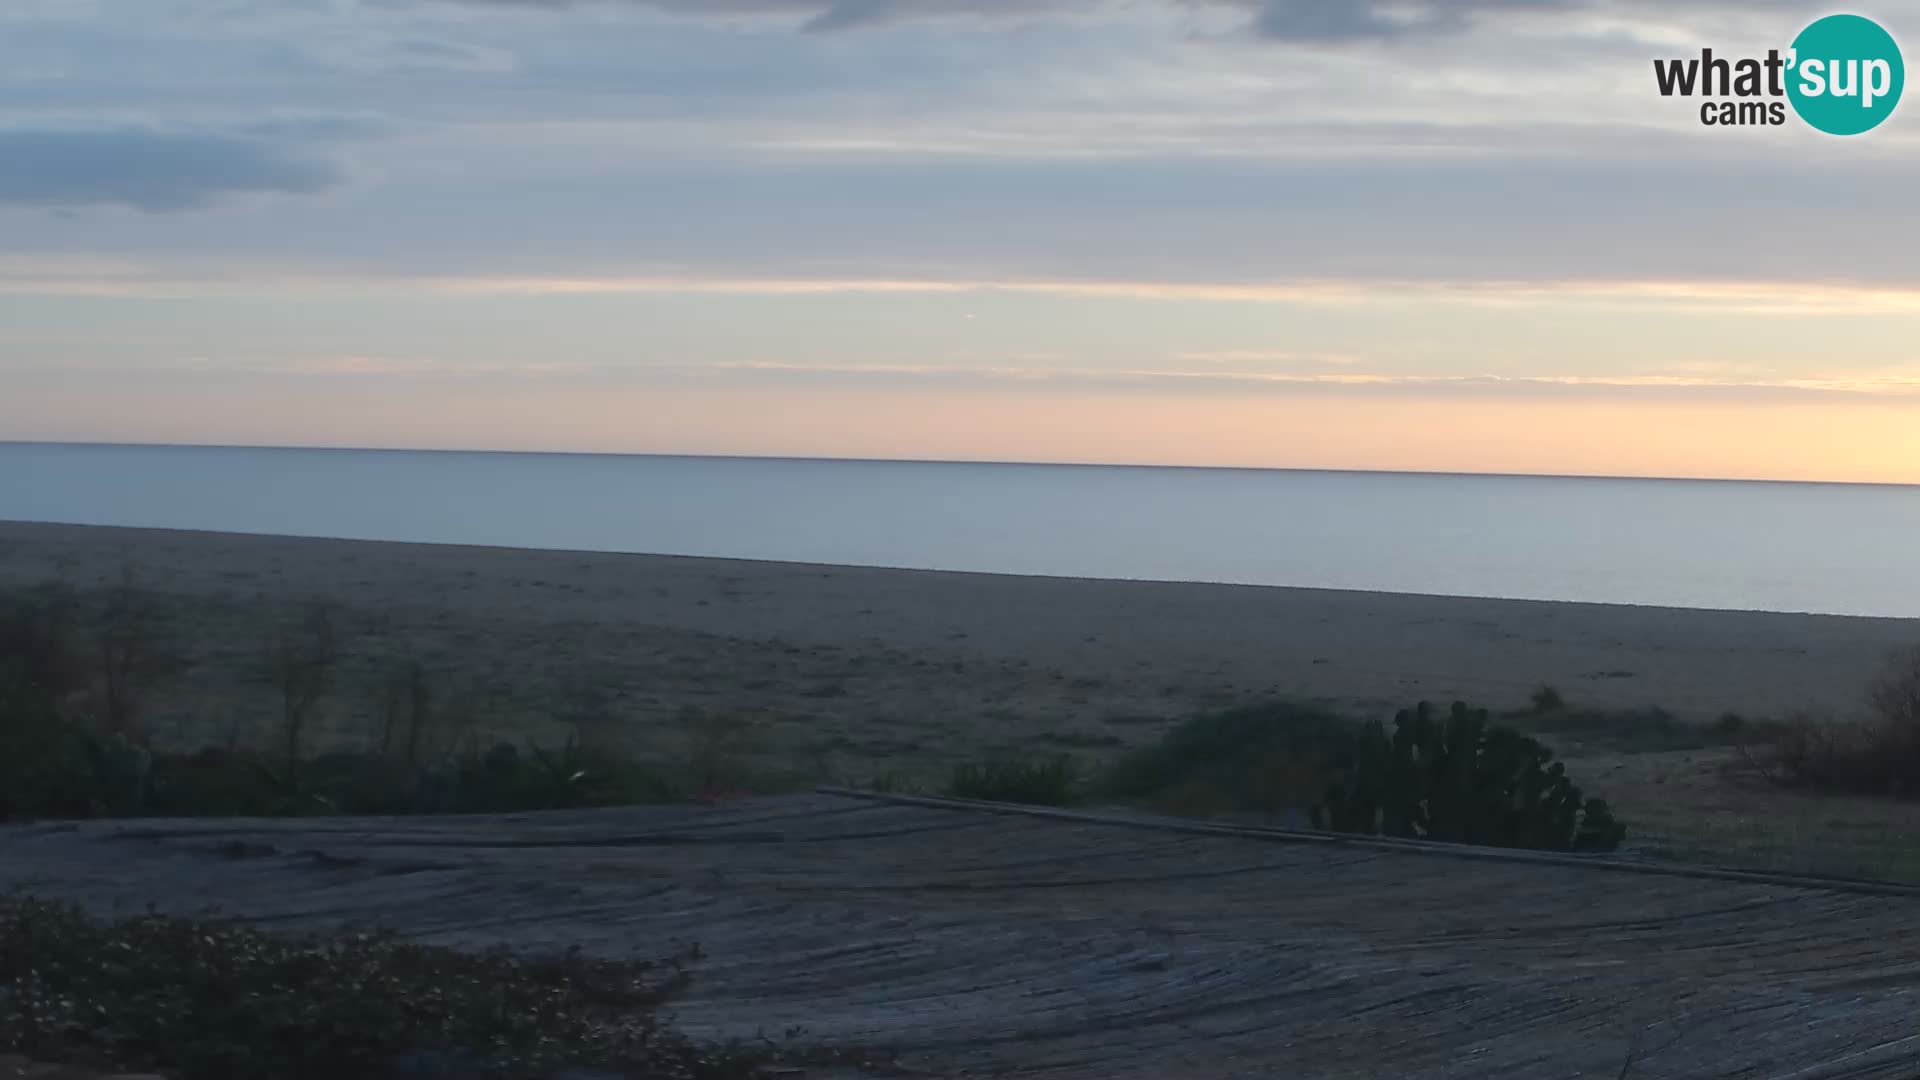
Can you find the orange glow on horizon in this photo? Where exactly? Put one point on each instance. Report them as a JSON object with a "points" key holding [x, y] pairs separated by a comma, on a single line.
{"points": [[1803, 438]]}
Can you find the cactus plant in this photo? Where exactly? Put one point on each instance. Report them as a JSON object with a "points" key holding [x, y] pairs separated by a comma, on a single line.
{"points": [[1461, 780]]}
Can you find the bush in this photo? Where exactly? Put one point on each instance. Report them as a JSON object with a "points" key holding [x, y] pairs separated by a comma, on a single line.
{"points": [[37, 640], [1895, 697], [1546, 699], [217, 1000], [1822, 754], [1046, 782], [1259, 759], [218, 783], [1880, 757], [52, 767], [34, 749], [1461, 781]]}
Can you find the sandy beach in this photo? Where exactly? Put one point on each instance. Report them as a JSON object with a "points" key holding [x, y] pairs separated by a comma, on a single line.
{"points": [[849, 665]]}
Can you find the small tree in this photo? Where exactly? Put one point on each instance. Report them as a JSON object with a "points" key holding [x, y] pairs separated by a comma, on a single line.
{"points": [[128, 656], [1895, 696], [37, 637], [302, 662]]}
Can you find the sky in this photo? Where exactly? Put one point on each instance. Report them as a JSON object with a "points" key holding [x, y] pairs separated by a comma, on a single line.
{"points": [[1455, 235]]}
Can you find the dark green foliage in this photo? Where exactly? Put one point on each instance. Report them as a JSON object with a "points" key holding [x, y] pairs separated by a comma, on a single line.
{"points": [[117, 774], [37, 638], [1876, 759], [1045, 782], [34, 746], [891, 782], [222, 783], [1878, 756], [50, 767], [1262, 759], [1732, 727], [1461, 781], [215, 1001]]}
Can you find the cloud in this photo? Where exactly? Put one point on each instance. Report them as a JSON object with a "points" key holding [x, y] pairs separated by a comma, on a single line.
{"points": [[1897, 386], [824, 15], [1335, 22], [1353, 20], [147, 170], [1330, 22]]}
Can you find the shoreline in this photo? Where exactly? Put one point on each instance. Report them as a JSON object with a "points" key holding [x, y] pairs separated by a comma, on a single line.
{"points": [[130, 531]]}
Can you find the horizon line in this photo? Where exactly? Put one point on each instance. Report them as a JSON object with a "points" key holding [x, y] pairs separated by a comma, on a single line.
{"points": [[1454, 473]]}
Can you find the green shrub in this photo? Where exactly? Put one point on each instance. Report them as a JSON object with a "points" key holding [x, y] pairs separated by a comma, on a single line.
{"points": [[1459, 780], [213, 1001], [1263, 758], [50, 767], [37, 639], [1877, 756], [218, 783], [1545, 699], [35, 750], [1045, 782]]}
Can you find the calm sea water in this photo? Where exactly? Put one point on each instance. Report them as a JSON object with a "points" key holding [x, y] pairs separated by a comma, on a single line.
{"points": [[1784, 547]]}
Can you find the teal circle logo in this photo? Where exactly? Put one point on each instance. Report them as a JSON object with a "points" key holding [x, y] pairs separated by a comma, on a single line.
{"points": [[1846, 75]]}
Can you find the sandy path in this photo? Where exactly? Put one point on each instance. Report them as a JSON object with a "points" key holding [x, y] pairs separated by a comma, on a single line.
{"points": [[984, 944]]}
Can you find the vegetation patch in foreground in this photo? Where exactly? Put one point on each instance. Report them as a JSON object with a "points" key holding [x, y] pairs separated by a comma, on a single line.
{"points": [[1879, 756], [1050, 781], [214, 1001], [1636, 731], [1255, 759], [1462, 780], [1457, 779]]}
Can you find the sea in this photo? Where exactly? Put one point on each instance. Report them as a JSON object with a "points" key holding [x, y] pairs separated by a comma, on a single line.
{"points": [[1848, 549]]}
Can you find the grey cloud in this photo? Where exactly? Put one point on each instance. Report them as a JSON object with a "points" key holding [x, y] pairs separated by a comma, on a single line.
{"points": [[147, 170], [1354, 20], [818, 15], [848, 13], [1340, 21], [1321, 20]]}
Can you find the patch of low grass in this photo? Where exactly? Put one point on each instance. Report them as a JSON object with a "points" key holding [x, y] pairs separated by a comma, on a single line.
{"points": [[1641, 731], [212, 1001], [892, 782], [1818, 839], [1050, 781]]}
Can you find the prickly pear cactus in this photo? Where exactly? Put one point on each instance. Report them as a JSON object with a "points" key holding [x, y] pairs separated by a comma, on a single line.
{"points": [[1463, 780]]}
